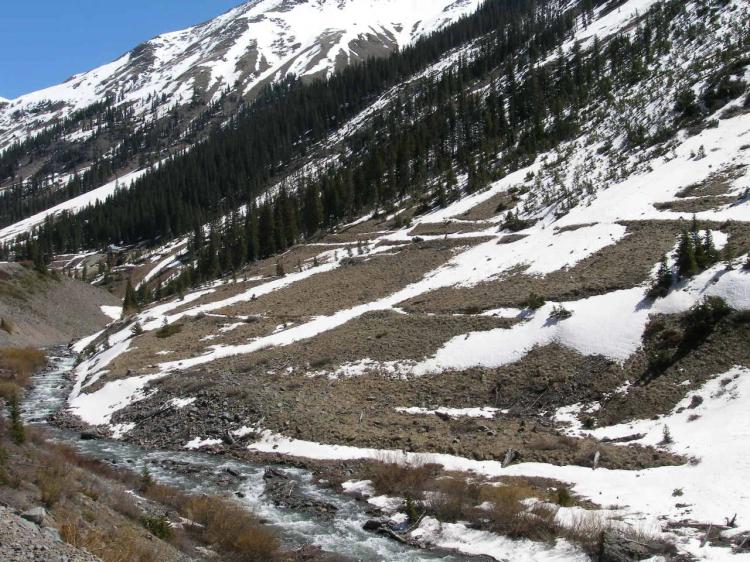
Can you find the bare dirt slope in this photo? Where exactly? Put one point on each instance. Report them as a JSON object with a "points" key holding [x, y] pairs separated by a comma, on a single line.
{"points": [[43, 310]]}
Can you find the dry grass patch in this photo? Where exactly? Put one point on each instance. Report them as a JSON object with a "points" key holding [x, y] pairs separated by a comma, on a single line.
{"points": [[697, 205], [118, 543], [509, 515], [717, 184], [54, 482], [498, 203], [447, 227], [18, 364]]}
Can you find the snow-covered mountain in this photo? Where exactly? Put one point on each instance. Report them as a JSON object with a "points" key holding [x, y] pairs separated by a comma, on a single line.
{"points": [[260, 40]]}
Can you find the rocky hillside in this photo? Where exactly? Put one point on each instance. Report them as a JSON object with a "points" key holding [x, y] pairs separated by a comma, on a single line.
{"points": [[520, 250]]}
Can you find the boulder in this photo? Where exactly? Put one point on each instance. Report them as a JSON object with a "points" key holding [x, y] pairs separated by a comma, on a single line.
{"points": [[372, 525], [35, 515], [616, 548]]}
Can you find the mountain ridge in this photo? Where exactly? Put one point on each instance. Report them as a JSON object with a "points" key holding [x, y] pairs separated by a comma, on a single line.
{"points": [[242, 49]]}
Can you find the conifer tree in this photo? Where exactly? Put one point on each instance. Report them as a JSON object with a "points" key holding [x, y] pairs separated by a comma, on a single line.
{"points": [[130, 303], [686, 262], [710, 253], [728, 254], [663, 282], [17, 430]]}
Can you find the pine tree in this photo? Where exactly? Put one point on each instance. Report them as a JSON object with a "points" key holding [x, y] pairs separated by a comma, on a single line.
{"points": [[663, 282], [147, 481], [130, 303], [17, 430], [687, 265], [699, 249], [710, 253]]}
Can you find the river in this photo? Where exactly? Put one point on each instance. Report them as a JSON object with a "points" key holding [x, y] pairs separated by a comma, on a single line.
{"points": [[343, 534]]}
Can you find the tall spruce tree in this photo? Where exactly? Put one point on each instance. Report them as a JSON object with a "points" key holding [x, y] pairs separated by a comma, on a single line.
{"points": [[687, 265], [130, 302]]}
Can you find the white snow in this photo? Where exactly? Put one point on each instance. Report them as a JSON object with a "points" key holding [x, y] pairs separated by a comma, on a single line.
{"points": [[199, 443], [97, 408], [181, 403], [611, 324], [458, 536], [358, 487], [484, 412], [83, 343], [113, 312]]}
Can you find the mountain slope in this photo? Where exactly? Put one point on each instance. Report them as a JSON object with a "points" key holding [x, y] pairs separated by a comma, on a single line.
{"points": [[470, 321], [527, 256], [259, 41]]}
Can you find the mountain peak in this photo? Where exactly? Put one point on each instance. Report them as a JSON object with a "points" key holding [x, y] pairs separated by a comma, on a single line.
{"points": [[258, 42]]}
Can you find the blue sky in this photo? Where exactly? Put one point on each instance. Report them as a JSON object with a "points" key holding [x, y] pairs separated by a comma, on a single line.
{"points": [[44, 42]]}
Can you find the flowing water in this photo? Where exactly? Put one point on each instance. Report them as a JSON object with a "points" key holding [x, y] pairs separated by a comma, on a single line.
{"points": [[343, 534]]}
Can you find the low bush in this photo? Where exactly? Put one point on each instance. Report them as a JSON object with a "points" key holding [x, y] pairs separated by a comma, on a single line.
{"points": [[510, 516], [8, 389], [168, 330], [700, 322], [563, 497], [559, 313], [53, 482], [453, 499], [514, 223], [534, 301], [231, 529], [391, 477], [158, 526], [588, 530], [7, 326]]}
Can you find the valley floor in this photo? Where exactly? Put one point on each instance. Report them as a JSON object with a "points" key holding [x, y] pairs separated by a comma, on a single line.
{"points": [[455, 342]]}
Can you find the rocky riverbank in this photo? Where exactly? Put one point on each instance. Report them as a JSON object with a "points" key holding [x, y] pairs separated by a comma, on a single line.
{"points": [[25, 537]]}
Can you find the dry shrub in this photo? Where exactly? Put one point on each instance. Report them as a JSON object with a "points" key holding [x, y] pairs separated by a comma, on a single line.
{"points": [[20, 363], [453, 498], [7, 326], [8, 389], [392, 477], [231, 529], [70, 532], [54, 483], [588, 528], [124, 504], [510, 516], [122, 544]]}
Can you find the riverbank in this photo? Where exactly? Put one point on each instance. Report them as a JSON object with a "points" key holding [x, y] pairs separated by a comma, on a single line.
{"points": [[310, 523], [61, 504]]}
